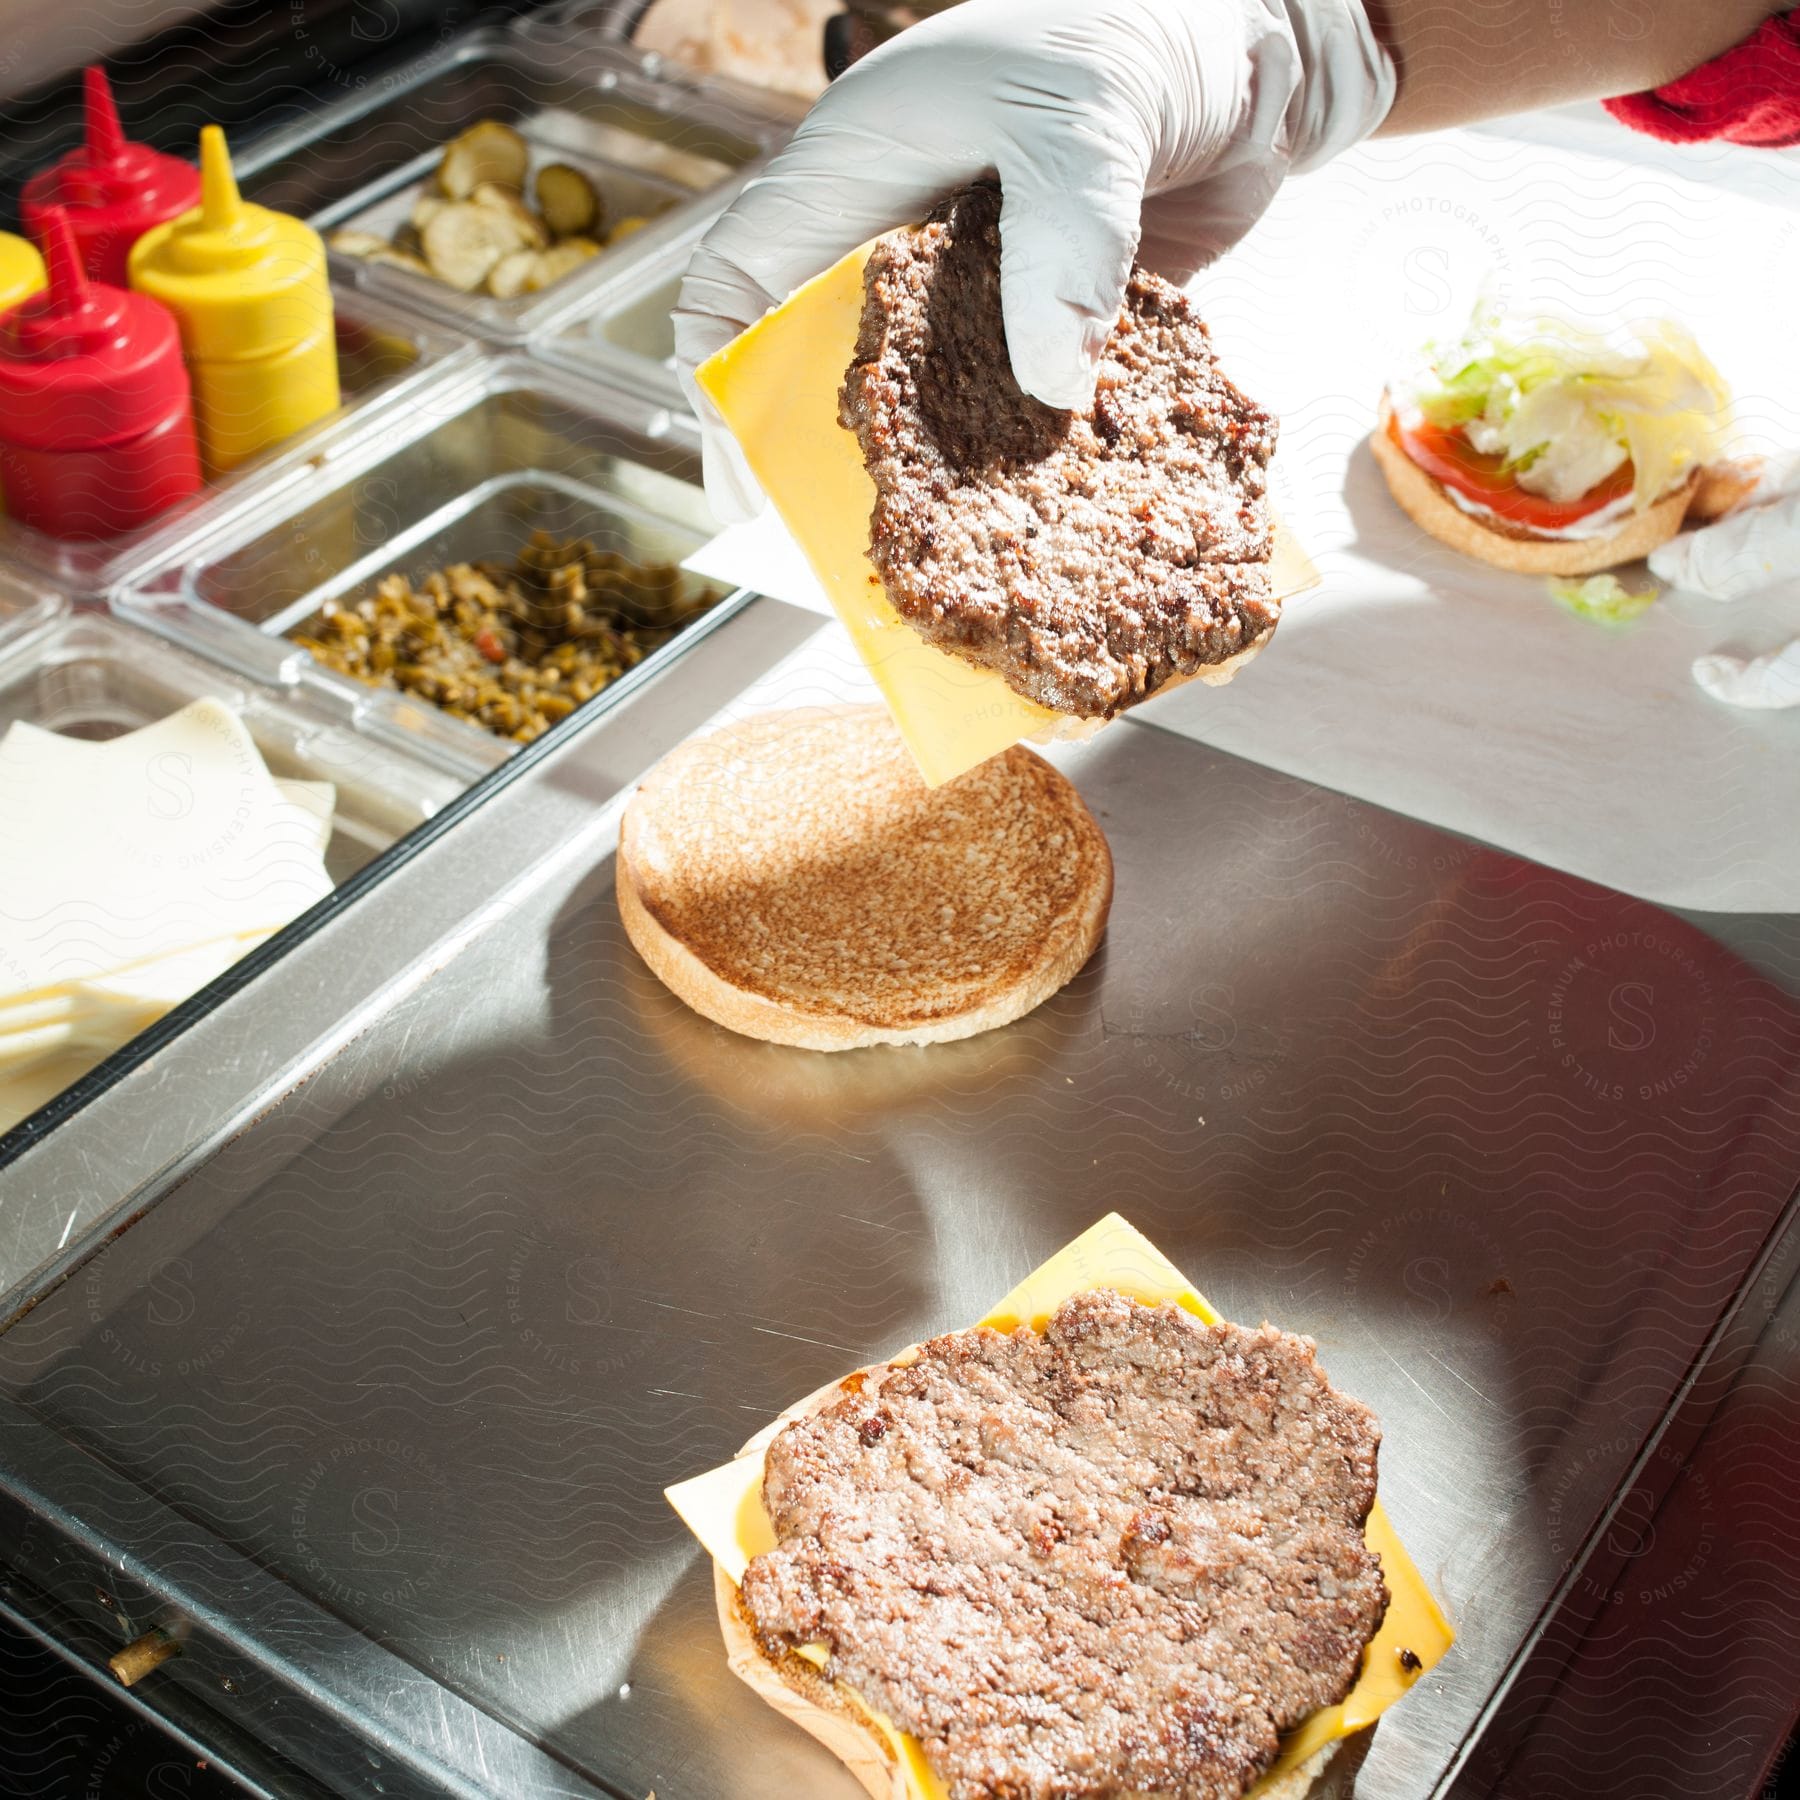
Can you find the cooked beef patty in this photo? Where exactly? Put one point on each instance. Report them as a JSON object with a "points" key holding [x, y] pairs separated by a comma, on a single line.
{"points": [[1119, 1558], [1088, 557]]}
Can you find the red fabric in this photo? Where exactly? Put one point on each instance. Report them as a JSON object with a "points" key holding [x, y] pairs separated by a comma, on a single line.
{"points": [[1750, 95]]}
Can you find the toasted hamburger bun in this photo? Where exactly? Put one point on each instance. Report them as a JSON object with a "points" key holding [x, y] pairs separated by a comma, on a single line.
{"points": [[1507, 546], [1724, 486], [794, 879], [826, 1711]]}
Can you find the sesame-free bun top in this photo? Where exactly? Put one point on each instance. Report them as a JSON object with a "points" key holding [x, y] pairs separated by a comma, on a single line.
{"points": [[793, 878]]}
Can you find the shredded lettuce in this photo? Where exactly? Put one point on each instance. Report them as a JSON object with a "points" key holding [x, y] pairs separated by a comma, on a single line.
{"points": [[1603, 598], [1566, 405]]}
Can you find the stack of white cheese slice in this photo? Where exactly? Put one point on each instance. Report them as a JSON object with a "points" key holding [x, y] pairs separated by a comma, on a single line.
{"points": [[132, 871]]}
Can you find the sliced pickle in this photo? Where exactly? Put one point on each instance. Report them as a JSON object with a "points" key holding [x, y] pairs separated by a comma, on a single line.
{"points": [[464, 241], [487, 152], [569, 202]]}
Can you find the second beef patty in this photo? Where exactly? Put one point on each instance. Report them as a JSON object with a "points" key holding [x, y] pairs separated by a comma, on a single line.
{"points": [[1087, 557], [1122, 1557]]}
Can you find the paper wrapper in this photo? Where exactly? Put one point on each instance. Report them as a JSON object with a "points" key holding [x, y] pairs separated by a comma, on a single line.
{"points": [[776, 386], [1464, 695], [724, 1510]]}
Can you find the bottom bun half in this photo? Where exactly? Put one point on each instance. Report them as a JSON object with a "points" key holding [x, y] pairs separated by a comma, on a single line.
{"points": [[1428, 504], [753, 1016], [781, 925]]}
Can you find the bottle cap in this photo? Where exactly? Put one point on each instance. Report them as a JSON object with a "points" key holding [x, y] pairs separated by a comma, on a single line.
{"points": [[82, 363], [113, 189], [21, 270], [243, 280]]}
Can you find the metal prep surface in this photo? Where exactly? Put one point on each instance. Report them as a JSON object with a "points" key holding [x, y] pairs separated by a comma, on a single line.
{"points": [[378, 1402]]}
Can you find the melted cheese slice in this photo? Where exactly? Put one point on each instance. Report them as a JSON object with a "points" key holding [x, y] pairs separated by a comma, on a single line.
{"points": [[724, 1510], [776, 386]]}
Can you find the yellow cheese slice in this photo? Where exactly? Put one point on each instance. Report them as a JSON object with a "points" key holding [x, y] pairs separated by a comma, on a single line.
{"points": [[776, 386], [724, 1510]]}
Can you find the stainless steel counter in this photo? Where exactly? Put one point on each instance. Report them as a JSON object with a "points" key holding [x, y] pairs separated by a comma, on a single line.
{"points": [[467, 1238], [1686, 1678]]}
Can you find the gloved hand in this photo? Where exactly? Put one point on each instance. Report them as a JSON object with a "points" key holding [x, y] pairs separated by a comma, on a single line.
{"points": [[1747, 551], [1100, 117], [1768, 683]]}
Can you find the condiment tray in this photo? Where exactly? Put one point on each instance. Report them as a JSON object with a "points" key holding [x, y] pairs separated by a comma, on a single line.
{"points": [[384, 354], [612, 26], [498, 449], [626, 333], [648, 144], [89, 675]]}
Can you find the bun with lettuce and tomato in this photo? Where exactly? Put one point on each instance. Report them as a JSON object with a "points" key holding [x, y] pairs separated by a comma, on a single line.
{"points": [[1543, 447]]}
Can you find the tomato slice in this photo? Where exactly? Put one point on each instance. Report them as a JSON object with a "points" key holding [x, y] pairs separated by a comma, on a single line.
{"points": [[1447, 456]]}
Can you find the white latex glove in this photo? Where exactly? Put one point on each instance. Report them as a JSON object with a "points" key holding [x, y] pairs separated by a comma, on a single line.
{"points": [[1767, 683], [1101, 118], [1744, 553]]}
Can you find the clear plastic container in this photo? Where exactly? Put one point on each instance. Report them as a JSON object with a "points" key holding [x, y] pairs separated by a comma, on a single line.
{"points": [[497, 450], [26, 606], [651, 146], [91, 675], [384, 353], [614, 24], [627, 336]]}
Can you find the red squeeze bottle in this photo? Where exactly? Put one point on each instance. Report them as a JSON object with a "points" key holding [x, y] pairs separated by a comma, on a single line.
{"points": [[112, 189], [96, 416]]}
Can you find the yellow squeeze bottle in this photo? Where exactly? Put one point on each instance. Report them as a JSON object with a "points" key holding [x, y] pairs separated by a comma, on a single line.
{"points": [[249, 290], [21, 270]]}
